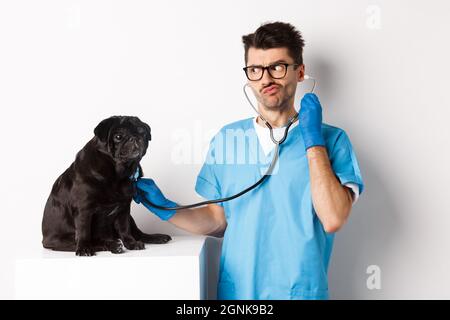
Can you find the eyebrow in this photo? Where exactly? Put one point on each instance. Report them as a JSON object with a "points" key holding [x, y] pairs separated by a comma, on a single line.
{"points": [[275, 62]]}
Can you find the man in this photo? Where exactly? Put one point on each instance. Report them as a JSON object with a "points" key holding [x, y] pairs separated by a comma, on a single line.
{"points": [[277, 237]]}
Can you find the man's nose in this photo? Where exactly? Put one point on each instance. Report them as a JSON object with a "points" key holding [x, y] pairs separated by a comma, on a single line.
{"points": [[266, 79]]}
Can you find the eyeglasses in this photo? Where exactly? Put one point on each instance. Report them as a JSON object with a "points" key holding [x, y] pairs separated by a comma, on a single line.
{"points": [[276, 71]]}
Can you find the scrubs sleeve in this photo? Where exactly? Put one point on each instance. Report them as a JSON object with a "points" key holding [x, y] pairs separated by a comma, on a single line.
{"points": [[344, 163], [207, 184], [355, 190]]}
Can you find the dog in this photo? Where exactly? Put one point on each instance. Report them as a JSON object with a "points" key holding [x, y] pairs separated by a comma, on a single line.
{"points": [[88, 209]]}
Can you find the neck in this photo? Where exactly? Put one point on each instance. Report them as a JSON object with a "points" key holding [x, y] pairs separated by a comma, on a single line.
{"points": [[277, 118], [126, 169]]}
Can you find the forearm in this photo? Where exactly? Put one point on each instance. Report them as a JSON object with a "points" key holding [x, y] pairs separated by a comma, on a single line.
{"points": [[332, 201], [201, 220]]}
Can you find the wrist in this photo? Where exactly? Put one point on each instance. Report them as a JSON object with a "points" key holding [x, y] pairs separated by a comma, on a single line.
{"points": [[316, 152], [164, 214], [313, 138]]}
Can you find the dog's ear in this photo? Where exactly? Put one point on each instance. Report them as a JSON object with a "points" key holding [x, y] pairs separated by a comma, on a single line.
{"points": [[141, 173], [147, 131], [102, 129], [138, 122]]}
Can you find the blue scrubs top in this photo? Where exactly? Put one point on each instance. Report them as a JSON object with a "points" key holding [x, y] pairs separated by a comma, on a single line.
{"points": [[274, 245]]}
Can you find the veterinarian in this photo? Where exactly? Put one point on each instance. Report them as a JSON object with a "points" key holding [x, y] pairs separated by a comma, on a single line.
{"points": [[278, 237]]}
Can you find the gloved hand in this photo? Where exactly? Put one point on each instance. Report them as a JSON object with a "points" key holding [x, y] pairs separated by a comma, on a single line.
{"points": [[153, 194], [310, 121]]}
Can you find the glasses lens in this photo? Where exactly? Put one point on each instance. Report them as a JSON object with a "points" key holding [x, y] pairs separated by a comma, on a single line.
{"points": [[277, 71], [254, 73]]}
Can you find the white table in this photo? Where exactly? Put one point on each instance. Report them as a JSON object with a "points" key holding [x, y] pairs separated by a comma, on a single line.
{"points": [[176, 270]]}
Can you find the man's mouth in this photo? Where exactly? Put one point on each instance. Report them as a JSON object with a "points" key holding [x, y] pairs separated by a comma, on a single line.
{"points": [[270, 90]]}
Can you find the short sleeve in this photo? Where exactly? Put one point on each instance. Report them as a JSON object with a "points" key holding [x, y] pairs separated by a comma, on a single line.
{"points": [[207, 184], [344, 163], [355, 191]]}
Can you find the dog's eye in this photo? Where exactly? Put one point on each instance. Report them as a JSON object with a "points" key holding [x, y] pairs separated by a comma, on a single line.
{"points": [[118, 137]]}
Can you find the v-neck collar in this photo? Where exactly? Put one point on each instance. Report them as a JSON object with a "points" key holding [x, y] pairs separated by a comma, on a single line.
{"points": [[267, 157], [263, 134]]}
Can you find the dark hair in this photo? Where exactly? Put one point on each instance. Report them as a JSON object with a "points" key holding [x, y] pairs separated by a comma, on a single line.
{"points": [[276, 35]]}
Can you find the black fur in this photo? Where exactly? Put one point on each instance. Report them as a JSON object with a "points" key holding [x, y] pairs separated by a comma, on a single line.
{"points": [[88, 209]]}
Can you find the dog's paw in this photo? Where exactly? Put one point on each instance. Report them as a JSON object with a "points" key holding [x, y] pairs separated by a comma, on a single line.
{"points": [[156, 238], [117, 250], [85, 251], [116, 247], [135, 245]]}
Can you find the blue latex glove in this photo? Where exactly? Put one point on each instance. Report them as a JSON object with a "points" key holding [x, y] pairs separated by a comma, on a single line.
{"points": [[310, 121], [154, 194]]}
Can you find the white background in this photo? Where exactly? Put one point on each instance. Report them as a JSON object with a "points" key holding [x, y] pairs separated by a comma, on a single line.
{"points": [[382, 70]]}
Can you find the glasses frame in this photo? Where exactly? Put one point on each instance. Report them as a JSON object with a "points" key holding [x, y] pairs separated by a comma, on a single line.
{"points": [[286, 65]]}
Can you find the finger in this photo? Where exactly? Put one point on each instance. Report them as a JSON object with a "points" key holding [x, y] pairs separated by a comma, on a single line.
{"points": [[145, 183], [311, 97], [137, 198]]}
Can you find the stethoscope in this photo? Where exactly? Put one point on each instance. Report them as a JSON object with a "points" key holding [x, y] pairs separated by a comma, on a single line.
{"points": [[266, 174]]}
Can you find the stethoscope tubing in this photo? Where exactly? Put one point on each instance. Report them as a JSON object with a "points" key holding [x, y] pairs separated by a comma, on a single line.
{"points": [[257, 183]]}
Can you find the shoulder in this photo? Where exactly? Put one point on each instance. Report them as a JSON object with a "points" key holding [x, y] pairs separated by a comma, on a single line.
{"points": [[334, 136], [331, 131], [242, 124], [217, 140], [239, 124]]}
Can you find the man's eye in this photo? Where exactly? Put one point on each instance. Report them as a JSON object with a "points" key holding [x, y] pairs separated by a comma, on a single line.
{"points": [[255, 70], [277, 67]]}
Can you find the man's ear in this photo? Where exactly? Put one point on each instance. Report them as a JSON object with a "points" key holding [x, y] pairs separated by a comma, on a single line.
{"points": [[102, 129], [301, 73]]}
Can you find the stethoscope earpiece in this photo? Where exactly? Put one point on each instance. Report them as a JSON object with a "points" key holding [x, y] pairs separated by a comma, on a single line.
{"points": [[307, 77]]}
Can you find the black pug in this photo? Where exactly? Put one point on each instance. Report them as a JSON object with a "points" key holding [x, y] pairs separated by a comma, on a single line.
{"points": [[88, 209]]}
